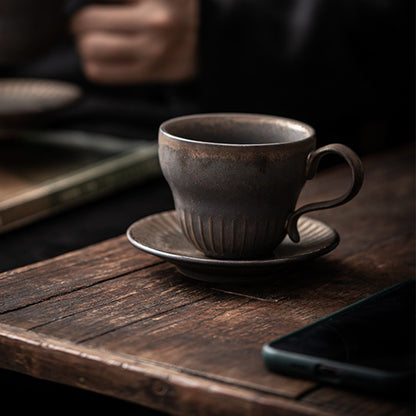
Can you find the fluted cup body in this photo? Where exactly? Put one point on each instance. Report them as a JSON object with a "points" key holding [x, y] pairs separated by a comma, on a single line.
{"points": [[235, 178]]}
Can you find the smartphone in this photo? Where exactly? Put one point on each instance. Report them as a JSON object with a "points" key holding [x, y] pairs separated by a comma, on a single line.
{"points": [[369, 345]]}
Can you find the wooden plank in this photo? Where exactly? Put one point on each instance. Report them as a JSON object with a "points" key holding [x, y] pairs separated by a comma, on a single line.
{"points": [[346, 402], [219, 337], [69, 272], [165, 318], [136, 380], [106, 303], [328, 284]]}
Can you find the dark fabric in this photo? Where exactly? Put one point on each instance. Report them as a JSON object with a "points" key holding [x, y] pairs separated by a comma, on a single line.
{"points": [[345, 67]]}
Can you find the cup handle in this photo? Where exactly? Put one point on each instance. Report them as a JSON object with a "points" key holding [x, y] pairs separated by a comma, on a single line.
{"points": [[312, 163]]}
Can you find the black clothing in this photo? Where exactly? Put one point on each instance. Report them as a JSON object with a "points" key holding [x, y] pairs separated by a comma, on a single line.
{"points": [[344, 67]]}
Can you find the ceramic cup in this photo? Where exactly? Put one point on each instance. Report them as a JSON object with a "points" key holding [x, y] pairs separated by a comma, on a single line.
{"points": [[236, 178], [28, 28]]}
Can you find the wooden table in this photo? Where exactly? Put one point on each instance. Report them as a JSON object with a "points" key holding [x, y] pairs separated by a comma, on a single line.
{"points": [[115, 320]]}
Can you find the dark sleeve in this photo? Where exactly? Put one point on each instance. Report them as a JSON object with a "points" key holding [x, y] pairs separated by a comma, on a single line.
{"points": [[327, 63]]}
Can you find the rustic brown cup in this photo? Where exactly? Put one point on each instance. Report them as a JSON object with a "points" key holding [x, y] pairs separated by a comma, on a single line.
{"points": [[236, 178], [28, 28]]}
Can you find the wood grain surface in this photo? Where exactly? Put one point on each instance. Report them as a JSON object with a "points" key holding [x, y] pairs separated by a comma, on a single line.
{"points": [[115, 320]]}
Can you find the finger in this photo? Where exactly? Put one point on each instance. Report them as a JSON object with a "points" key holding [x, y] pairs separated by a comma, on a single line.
{"points": [[137, 72], [117, 18], [119, 1], [117, 74], [108, 47]]}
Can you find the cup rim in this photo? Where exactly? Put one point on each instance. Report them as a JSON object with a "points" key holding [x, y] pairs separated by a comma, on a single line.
{"points": [[289, 121]]}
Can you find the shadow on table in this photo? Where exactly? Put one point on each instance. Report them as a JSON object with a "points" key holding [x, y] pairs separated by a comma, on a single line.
{"points": [[26, 394]]}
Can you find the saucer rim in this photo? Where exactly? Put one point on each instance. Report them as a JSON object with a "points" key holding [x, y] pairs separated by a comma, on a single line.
{"points": [[201, 259]]}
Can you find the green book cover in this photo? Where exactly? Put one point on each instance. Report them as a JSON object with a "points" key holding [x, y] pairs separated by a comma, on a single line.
{"points": [[45, 172]]}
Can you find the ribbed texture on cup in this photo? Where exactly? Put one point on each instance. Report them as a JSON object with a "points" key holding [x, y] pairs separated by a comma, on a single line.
{"points": [[221, 237]]}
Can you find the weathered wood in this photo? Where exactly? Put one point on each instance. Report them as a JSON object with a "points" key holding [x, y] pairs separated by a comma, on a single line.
{"points": [[357, 404], [144, 382], [168, 319], [112, 319], [72, 271]]}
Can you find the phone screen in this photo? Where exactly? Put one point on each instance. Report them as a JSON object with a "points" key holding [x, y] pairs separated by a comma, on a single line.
{"points": [[369, 345], [378, 332]]}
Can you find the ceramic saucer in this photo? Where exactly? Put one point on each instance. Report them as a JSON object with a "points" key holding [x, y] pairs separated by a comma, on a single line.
{"points": [[161, 235]]}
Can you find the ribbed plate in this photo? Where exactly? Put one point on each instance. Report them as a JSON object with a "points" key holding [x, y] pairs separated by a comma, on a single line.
{"points": [[20, 98], [161, 235]]}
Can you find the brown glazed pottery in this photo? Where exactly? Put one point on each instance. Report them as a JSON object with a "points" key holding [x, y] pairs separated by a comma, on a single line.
{"points": [[236, 178]]}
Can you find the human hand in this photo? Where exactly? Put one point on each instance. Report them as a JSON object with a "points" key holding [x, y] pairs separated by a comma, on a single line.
{"points": [[138, 41]]}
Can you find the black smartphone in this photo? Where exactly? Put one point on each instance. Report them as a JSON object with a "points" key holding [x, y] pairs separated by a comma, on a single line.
{"points": [[369, 345]]}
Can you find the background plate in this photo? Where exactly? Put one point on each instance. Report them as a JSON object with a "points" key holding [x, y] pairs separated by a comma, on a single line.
{"points": [[23, 100]]}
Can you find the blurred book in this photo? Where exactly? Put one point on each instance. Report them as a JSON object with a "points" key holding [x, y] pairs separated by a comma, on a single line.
{"points": [[45, 172]]}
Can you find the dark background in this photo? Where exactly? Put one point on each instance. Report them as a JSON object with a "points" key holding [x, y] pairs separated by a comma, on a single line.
{"points": [[350, 75]]}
